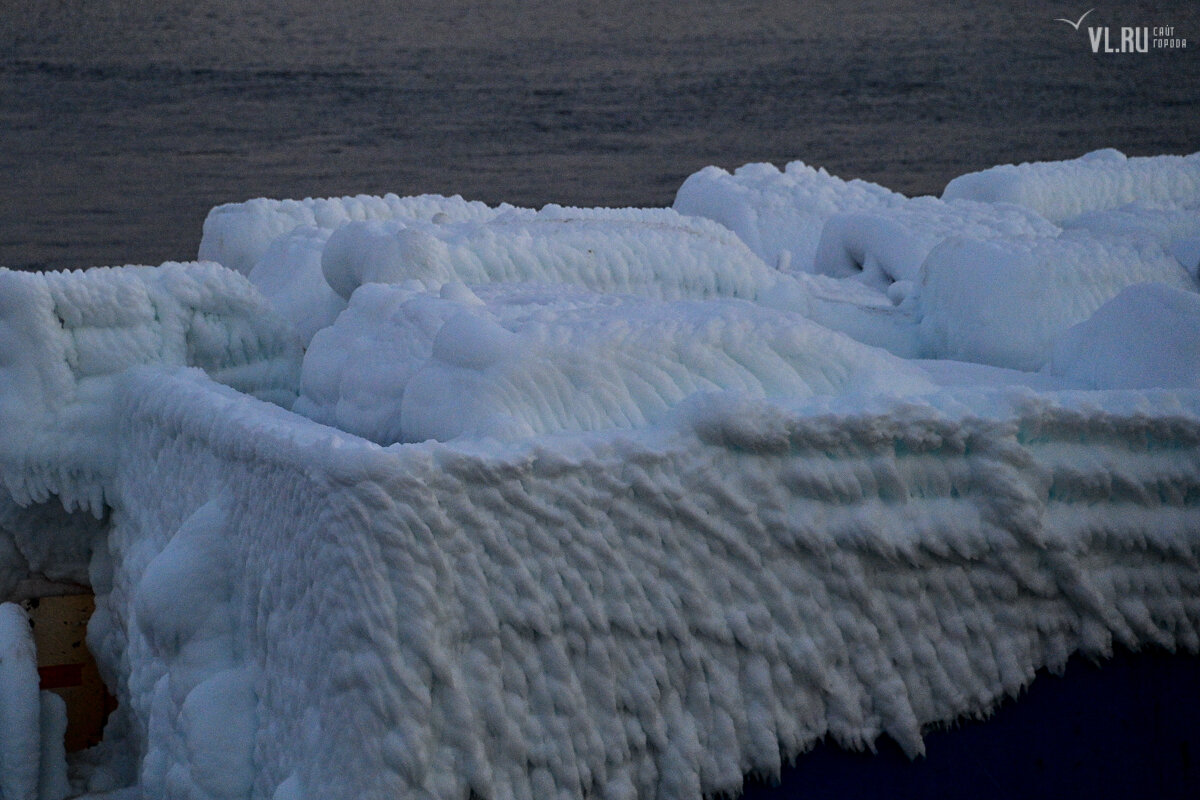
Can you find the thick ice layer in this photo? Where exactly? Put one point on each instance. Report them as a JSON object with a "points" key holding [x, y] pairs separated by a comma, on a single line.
{"points": [[888, 246], [204, 702], [32, 762], [628, 365], [289, 276], [355, 371], [1147, 336], [20, 711], [237, 235], [1167, 226], [64, 336], [1187, 252], [622, 616], [675, 540], [1005, 302], [1099, 181], [400, 365], [653, 252], [779, 215]]}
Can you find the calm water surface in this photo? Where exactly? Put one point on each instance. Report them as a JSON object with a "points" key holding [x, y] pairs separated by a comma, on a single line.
{"points": [[122, 123]]}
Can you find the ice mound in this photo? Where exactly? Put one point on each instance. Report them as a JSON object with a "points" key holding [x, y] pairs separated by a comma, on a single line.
{"points": [[1187, 252], [652, 252], [890, 245], [400, 365], [1176, 229], [64, 337], [205, 699], [19, 712], [1166, 226], [1099, 181], [32, 761], [1005, 302], [779, 215], [1146, 336], [627, 366], [237, 235], [355, 371], [288, 275]]}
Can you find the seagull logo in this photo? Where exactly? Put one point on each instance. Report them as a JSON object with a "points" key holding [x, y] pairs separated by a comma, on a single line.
{"points": [[1079, 22]]}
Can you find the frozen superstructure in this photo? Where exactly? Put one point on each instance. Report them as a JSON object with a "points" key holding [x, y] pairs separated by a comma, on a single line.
{"points": [[588, 502]]}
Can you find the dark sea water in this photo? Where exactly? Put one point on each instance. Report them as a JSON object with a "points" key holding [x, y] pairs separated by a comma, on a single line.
{"points": [[122, 122]]}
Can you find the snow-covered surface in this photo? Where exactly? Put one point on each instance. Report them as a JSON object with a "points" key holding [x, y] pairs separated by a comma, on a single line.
{"points": [[1099, 181], [1146, 336], [1187, 252], [238, 234], [1167, 226], [1005, 302], [614, 503], [533, 361], [655, 252], [20, 715], [65, 337], [33, 763], [289, 274], [779, 214], [892, 244]]}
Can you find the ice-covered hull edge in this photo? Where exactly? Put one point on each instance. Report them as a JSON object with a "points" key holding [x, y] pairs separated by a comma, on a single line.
{"points": [[623, 616]]}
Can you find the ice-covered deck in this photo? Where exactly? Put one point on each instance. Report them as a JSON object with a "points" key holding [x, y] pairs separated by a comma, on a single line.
{"points": [[446, 500]]}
